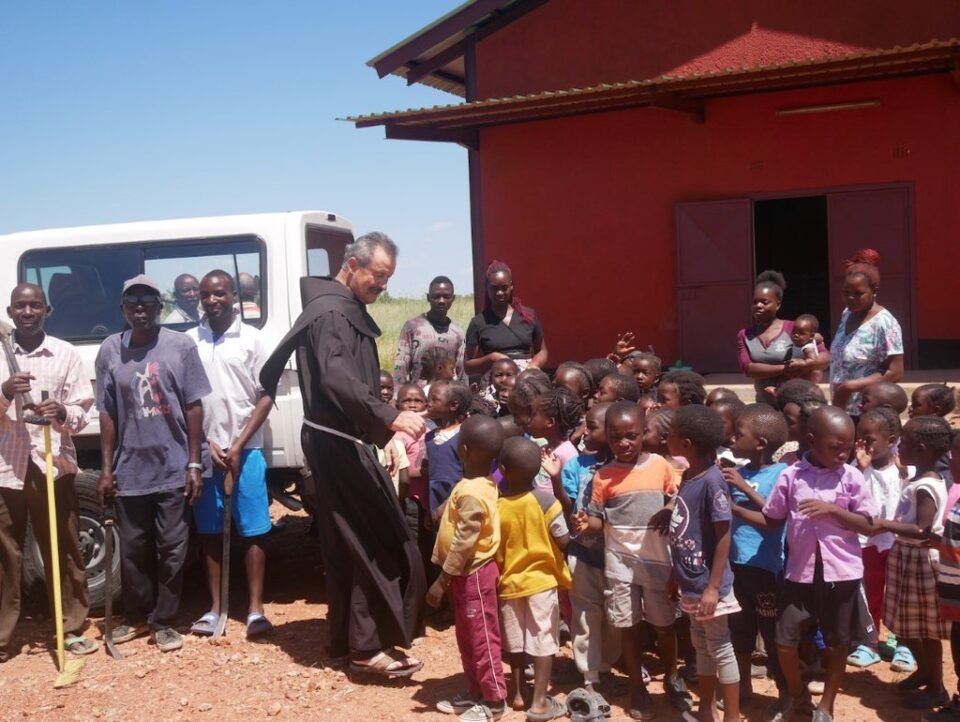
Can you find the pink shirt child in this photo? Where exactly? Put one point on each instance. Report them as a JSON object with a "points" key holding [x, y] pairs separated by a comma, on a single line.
{"points": [[839, 546]]}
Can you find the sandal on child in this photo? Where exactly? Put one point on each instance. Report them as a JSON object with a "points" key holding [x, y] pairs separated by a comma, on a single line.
{"points": [[863, 656], [206, 625], [556, 709], [903, 660]]}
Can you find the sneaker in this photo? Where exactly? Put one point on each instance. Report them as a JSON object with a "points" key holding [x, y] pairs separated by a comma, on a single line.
{"points": [[482, 712], [457, 705], [167, 639], [678, 694], [781, 710], [126, 632]]}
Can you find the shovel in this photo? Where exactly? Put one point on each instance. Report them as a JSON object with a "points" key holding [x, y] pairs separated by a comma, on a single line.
{"points": [[109, 517], [221, 627], [69, 669]]}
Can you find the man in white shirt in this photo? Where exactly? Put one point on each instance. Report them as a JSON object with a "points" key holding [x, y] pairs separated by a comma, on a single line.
{"points": [[232, 354]]}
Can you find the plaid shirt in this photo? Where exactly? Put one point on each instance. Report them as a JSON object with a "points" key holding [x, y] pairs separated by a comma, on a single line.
{"points": [[57, 368]]}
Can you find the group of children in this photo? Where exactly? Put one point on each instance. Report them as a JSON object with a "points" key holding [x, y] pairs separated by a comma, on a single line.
{"points": [[645, 513]]}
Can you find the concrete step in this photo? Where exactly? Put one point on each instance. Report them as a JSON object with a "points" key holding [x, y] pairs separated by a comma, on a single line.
{"points": [[743, 386]]}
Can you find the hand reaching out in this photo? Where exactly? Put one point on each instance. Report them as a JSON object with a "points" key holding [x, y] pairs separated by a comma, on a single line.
{"points": [[624, 344], [550, 463], [863, 454]]}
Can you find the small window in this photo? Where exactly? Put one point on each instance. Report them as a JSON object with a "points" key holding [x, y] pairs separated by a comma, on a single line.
{"points": [[83, 285]]}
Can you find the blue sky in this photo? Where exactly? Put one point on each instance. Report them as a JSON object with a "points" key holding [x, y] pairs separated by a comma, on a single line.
{"points": [[125, 111]]}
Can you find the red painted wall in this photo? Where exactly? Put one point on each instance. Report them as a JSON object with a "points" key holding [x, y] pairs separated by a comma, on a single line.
{"points": [[575, 43], [583, 208]]}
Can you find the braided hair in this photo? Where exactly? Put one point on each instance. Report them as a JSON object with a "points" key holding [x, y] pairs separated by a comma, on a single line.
{"points": [[493, 269], [931, 431], [587, 387], [940, 396], [563, 406]]}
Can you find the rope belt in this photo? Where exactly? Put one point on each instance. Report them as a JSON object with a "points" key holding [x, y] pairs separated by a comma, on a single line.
{"points": [[335, 432]]}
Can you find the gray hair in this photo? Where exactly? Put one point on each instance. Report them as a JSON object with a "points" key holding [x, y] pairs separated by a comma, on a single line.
{"points": [[366, 245]]}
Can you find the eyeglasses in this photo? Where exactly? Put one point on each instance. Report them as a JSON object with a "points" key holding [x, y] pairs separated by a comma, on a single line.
{"points": [[146, 300]]}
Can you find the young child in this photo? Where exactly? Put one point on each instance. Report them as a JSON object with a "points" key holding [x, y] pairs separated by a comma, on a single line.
{"points": [[910, 610], [932, 400], [467, 543], [720, 393], [824, 503], [700, 540], [415, 498], [756, 556], [386, 388], [436, 364], [553, 415], [626, 494], [804, 352], [797, 413], [647, 368], [729, 410], [617, 387], [596, 642], [886, 394], [948, 587], [503, 377], [681, 388], [598, 368], [937, 400], [533, 534], [656, 432], [447, 406], [575, 377], [877, 436]]}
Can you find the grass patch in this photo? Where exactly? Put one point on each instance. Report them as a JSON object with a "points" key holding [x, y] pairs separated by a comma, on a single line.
{"points": [[391, 313]]}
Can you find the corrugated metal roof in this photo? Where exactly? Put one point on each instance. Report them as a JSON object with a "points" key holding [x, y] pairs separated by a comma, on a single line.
{"points": [[667, 90]]}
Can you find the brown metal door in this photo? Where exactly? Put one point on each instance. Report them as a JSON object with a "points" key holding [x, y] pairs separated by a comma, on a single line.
{"points": [[880, 219], [714, 280]]}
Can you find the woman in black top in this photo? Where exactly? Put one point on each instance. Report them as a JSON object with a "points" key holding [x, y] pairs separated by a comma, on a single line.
{"points": [[504, 329]]}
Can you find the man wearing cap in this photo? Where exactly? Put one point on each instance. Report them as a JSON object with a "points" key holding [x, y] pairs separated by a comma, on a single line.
{"points": [[41, 363], [150, 382]]}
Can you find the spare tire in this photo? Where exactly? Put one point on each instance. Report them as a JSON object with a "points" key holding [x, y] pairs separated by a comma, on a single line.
{"points": [[92, 536]]}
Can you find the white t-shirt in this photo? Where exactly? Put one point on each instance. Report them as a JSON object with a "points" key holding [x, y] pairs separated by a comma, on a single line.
{"points": [[907, 507], [885, 486], [233, 363], [799, 352]]}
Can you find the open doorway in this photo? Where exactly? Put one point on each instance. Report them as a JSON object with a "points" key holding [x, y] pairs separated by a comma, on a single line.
{"points": [[790, 236]]}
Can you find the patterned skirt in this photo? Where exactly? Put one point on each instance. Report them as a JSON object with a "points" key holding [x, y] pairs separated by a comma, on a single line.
{"points": [[910, 608]]}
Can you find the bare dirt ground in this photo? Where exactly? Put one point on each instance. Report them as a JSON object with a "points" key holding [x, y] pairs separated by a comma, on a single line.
{"points": [[284, 676]]}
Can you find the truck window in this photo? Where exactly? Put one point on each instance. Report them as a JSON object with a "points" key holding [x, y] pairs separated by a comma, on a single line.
{"points": [[83, 284], [178, 269], [325, 249], [83, 287]]}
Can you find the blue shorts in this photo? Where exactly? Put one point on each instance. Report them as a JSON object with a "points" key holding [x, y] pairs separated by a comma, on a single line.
{"points": [[249, 501]]}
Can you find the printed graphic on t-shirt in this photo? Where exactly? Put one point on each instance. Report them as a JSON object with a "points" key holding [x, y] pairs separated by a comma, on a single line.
{"points": [[149, 395], [684, 547]]}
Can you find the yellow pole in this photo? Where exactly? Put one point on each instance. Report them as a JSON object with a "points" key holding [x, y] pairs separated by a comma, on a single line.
{"points": [[54, 547]]}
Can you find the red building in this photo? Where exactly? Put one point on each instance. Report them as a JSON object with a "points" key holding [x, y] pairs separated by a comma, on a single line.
{"points": [[637, 162]]}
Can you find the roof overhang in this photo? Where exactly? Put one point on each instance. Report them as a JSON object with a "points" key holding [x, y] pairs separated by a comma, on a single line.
{"points": [[435, 55], [687, 94]]}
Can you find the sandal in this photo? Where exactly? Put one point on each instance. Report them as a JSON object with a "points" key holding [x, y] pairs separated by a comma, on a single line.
{"points": [[903, 660], [258, 625], [206, 625], [382, 662], [584, 705], [557, 709], [80, 645], [863, 656]]}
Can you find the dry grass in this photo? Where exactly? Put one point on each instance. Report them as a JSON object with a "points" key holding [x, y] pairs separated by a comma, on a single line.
{"points": [[391, 313]]}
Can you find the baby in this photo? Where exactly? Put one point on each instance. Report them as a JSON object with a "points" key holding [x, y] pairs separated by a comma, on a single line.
{"points": [[804, 351]]}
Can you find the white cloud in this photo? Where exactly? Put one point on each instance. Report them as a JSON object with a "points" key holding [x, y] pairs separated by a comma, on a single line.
{"points": [[440, 226]]}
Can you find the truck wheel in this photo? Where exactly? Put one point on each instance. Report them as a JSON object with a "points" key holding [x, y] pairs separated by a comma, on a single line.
{"points": [[92, 535]]}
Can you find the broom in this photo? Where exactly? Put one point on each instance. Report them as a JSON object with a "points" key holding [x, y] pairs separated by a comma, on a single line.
{"points": [[69, 669]]}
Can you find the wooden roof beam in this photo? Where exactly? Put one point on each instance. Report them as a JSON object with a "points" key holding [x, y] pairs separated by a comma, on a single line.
{"points": [[467, 137]]}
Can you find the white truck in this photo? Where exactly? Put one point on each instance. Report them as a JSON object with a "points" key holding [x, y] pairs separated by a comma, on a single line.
{"points": [[82, 269]]}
